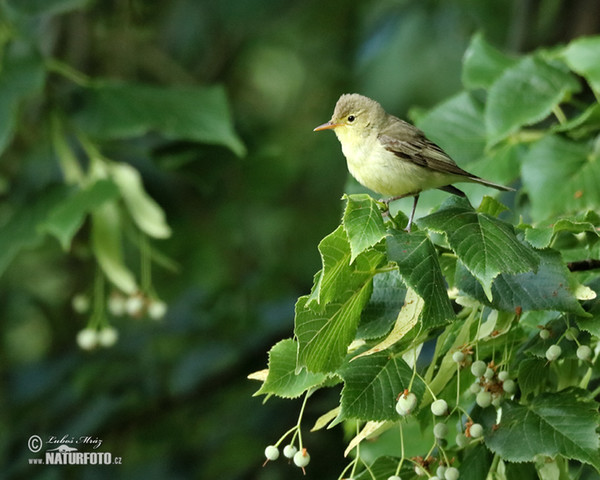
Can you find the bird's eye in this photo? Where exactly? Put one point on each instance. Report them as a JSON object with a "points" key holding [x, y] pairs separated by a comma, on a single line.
{"points": [[351, 118]]}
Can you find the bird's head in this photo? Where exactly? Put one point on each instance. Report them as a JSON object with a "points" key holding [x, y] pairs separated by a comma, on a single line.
{"points": [[354, 117]]}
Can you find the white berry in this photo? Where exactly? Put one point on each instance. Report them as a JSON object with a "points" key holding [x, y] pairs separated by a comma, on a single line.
{"points": [[451, 473], [509, 386], [394, 477], [544, 334], [439, 407], [289, 451], [483, 399], [80, 303], [406, 404], [116, 304], [476, 430], [553, 352], [478, 368], [503, 375], [134, 305], [584, 352], [458, 356], [475, 388], [571, 333], [302, 458], [440, 430], [157, 309], [440, 471], [87, 339], [108, 336], [489, 373], [272, 452]]}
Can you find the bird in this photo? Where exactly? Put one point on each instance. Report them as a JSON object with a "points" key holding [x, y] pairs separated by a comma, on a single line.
{"points": [[391, 157]]}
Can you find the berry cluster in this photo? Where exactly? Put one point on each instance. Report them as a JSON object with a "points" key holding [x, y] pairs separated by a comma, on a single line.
{"points": [[490, 385]]}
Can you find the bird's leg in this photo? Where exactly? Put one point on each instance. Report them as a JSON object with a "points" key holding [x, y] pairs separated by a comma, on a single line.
{"points": [[412, 214]]}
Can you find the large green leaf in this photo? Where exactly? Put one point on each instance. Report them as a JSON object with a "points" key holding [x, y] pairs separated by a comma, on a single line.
{"points": [[121, 110], [419, 266], [382, 310], [372, 385], [338, 276], [324, 335], [283, 380], [582, 56], [562, 423], [67, 217], [476, 464], [363, 223], [525, 94], [533, 375], [561, 176], [550, 288], [483, 64], [486, 245]]}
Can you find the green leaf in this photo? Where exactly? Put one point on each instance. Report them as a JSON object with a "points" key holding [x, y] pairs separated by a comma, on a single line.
{"points": [[419, 266], [542, 235], [107, 247], [324, 335], [533, 375], [363, 223], [486, 246], [550, 288], [283, 380], [457, 125], [67, 217], [115, 110], [561, 176], [525, 94], [483, 64], [582, 56], [372, 384], [338, 276], [491, 206], [562, 423], [146, 213], [405, 322], [476, 464], [21, 76], [382, 310]]}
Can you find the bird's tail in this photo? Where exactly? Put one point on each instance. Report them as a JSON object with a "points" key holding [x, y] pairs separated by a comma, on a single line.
{"points": [[487, 183]]}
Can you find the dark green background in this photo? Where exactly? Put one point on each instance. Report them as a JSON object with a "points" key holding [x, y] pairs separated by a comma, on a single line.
{"points": [[172, 398]]}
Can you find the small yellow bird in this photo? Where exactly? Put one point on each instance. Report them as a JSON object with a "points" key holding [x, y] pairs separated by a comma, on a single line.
{"points": [[392, 157]]}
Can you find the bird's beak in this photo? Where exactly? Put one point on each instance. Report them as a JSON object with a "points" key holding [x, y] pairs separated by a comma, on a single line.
{"points": [[326, 126]]}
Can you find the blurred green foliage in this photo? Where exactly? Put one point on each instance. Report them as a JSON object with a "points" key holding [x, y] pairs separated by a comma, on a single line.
{"points": [[213, 104]]}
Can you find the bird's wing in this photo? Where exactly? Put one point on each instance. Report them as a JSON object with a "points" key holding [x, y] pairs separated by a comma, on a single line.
{"points": [[410, 144]]}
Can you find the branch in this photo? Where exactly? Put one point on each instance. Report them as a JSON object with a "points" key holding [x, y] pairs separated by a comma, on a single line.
{"points": [[582, 265]]}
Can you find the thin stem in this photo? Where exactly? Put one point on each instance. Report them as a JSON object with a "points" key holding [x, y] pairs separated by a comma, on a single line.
{"points": [[399, 467], [145, 263], [69, 72], [559, 114], [308, 394], [98, 314]]}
